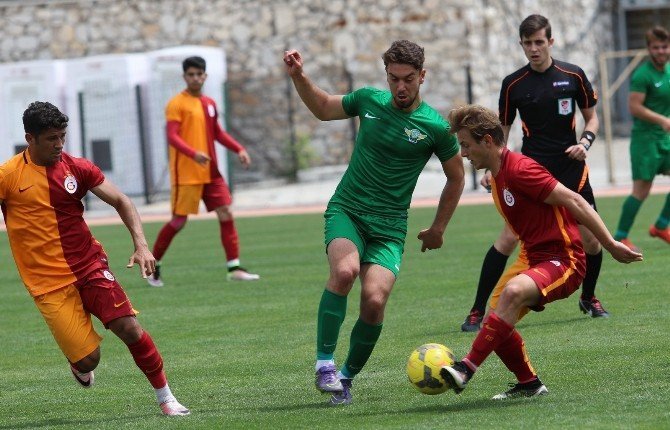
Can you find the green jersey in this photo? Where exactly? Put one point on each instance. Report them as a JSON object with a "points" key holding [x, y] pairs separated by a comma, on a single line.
{"points": [[391, 150], [655, 84]]}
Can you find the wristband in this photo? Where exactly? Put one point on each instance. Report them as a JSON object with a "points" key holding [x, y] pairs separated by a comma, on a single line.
{"points": [[590, 136]]}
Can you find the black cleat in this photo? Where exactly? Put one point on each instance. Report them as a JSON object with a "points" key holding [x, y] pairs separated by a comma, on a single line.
{"points": [[529, 389], [593, 307], [473, 321]]}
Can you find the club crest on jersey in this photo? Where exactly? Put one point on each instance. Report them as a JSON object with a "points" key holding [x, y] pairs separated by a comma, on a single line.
{"points": [[108, 275], [414, 135], [70, 183], [211, 111], [564, 106], [508, 197]]}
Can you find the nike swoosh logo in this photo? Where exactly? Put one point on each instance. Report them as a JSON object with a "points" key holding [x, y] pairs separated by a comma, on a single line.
{"points": [[367, 115], [658, 84], [116, 305], [26, 188]]}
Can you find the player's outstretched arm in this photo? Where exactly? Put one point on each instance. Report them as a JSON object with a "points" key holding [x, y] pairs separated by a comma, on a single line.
{"points": [[324, 106], [108, 193], [431, 238], [587, 216]]}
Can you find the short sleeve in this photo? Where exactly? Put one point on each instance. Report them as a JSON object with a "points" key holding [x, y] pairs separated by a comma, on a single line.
{"points": [[533, 180], [639, 82], [447, 144], [506, 111], [351, 102], [587, 95], [91, 175]]}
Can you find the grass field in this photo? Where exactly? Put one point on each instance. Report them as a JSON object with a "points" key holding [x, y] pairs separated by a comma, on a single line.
{"points": [[240, 355]]}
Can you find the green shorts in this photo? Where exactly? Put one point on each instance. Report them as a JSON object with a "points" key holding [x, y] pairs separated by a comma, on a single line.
{"points": [[648, 157], [380, 240]]}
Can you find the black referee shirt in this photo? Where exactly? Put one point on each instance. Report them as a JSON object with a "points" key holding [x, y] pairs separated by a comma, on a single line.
{"points": [[546, 103]]}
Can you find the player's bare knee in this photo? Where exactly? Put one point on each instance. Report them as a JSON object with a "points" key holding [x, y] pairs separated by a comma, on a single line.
{"points": [[90, 362], [344, 275], [224, 213], [127, 329]]}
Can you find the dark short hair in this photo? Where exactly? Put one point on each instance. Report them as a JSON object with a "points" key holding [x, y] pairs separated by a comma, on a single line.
{"points": [[479, 121], [42, 116], [197, 62], [404, 52], [532, 24], [657, 32]]}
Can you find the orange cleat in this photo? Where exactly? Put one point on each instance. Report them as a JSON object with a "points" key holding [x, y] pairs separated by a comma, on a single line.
{"points": [[661, 234], [630, 245]]}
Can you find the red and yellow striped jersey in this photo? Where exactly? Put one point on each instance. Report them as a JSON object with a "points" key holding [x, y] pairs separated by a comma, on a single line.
{"points": [[51, 243], [197, 117]]}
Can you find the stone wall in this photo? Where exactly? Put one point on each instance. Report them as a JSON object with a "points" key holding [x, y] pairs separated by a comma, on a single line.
{"points": [[339, 39]]}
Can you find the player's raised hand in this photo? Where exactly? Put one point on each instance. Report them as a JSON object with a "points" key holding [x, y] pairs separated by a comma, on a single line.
{"points": [[624, 254], [145, 259], [430, 239], [293, 61]]}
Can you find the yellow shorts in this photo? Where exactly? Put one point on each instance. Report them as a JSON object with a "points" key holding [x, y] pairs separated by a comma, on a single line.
{"points": [[186, 198], [69, 323]]}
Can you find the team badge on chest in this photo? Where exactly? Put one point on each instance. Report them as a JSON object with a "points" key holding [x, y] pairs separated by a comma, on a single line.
{"points": [[564, 106], [70, 183], [414, 135], [508, 197]]}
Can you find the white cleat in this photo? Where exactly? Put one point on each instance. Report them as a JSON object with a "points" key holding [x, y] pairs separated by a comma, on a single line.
{"points": [[242, 275], [154, 282], [86, 380], [172, 408]]}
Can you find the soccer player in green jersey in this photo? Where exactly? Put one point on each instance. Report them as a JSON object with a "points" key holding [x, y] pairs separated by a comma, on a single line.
{"points": [[649, 103], [366, 219]]}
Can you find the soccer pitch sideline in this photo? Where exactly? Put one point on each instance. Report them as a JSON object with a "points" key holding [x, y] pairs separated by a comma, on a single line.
{"points": [[240, 355]]}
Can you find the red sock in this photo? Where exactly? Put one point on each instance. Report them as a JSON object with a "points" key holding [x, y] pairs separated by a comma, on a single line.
{"points": [[229, 240], [512, 352], [493, 332], [149, 360], [163, 240]]}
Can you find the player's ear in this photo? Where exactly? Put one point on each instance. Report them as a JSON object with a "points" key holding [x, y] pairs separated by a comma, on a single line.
{"points": [[30, 138], [422, 76]]}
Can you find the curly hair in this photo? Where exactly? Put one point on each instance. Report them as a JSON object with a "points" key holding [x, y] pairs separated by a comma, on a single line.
{"points": [[42, 116], [479, 121], [404, 52]]}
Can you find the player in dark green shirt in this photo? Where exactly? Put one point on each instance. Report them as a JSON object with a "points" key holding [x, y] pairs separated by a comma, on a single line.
{"points": [[649, 103], [366, 219]]}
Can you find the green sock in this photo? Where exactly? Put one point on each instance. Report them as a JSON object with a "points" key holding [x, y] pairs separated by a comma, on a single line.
{"points": [[363, 340], [332, 310], [628, 213], [664, 219]]}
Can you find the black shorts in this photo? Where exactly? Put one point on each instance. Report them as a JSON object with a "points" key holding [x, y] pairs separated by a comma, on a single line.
{"points": [[572, 174]]}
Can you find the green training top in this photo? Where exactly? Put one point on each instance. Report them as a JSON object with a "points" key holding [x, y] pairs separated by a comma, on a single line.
{"points": [[391, 149], [656, 87]]}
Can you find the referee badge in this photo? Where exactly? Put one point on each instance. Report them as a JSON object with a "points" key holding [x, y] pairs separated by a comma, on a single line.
{"points": [[564, 106]]}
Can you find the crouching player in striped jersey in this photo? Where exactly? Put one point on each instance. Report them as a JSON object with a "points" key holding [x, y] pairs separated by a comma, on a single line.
{"points": [[61, 264], [543, 214]]}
